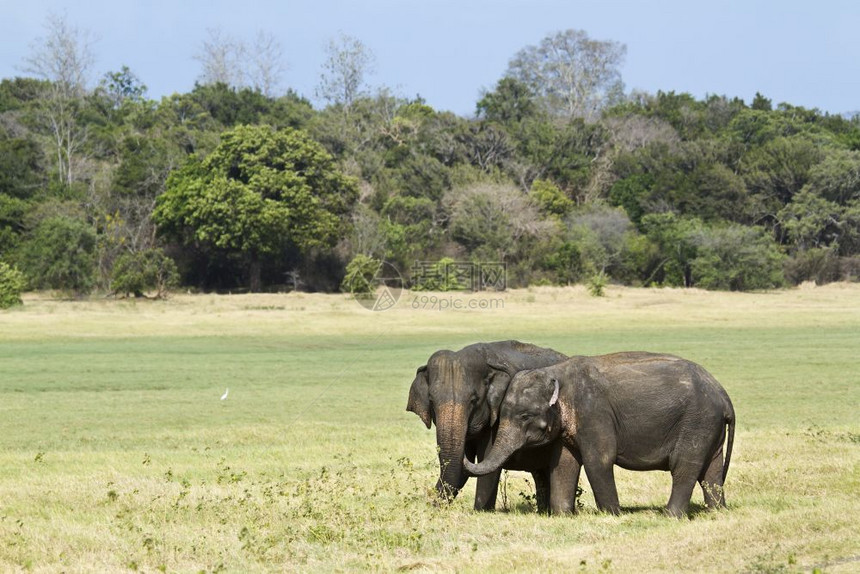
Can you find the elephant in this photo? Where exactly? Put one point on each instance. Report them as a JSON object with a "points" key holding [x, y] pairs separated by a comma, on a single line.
{"points": [[458, 390], [641, 411]]}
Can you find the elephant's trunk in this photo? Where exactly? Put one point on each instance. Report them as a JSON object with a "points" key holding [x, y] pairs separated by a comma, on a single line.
{"points": [[451, 425], [504, 446]]}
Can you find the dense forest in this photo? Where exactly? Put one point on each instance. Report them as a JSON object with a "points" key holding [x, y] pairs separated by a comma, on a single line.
{"points": [[561, 174]]}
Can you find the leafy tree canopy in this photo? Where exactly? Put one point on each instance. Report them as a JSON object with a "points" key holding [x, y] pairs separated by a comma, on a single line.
{"points": [[259, 191]]}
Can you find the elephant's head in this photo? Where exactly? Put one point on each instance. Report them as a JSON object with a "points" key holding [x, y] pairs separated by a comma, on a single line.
{"points": [[529, 417], [458, 391]]}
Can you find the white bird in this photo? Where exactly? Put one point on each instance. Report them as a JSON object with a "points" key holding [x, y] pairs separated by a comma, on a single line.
{"points": [[224, 396]]}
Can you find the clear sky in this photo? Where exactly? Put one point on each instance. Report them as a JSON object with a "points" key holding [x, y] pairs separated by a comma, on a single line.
{"points": [[806, 53]]}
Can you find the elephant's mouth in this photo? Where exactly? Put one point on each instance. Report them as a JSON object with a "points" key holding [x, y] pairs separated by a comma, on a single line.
{"points": [[477, 425]]}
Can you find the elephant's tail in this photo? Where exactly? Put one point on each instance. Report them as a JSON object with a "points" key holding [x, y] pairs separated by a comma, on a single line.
{"points": [[730, 439]]}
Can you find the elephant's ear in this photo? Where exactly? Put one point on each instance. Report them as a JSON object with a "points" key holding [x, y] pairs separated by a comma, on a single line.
{"points": [[498, 386], [501, 371], [419, 396]]}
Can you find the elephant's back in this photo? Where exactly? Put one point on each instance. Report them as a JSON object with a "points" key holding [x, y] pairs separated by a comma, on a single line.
{"points": [[655, 377], [660, 377], [634, 357]]}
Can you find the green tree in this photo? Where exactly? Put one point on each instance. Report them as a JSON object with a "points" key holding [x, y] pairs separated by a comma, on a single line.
{"points": [[601, 233], [12, 283], [761, 103], [837, 177], [20, 166], [681, 111], [20, 183], [60, 254], [509, 104], [121, 87], [715, 193], [229, 105], [494, 222], [774, 172], [819, 264], [360, 275], [550, 199], [566, 261], [259, 191], [564, 153], [675, 238], [810, 221], [136, 272], [737, 258], [632, 193]]}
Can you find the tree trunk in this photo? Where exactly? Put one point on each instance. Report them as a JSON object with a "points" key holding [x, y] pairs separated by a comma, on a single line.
{"points": [[255, 283]]}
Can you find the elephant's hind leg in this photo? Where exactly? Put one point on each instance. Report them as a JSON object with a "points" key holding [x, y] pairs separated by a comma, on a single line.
{"points": [[712, 482], [683, 483]]}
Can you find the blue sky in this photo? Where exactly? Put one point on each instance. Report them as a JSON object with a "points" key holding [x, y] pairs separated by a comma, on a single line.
{"points": [[803, 53]]}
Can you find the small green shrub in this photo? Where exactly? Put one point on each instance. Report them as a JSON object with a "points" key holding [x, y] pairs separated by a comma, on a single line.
{"points": [[60, 254], [550, 199], [737, 258], [360, 275], [566, 262], [12, 283], [140, 271], [819, 264], [597, 284]]}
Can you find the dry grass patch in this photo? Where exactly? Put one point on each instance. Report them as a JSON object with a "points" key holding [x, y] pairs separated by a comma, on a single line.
{"points": [[116, 453]]}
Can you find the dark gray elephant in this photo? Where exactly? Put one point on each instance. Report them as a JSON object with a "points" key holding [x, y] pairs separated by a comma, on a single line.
{"points": [[641, 411], [458, 391]]}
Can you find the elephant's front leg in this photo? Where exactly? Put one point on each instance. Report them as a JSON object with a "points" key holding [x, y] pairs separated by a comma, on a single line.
{"points": [[602, 481], [601, 476], [563, 480], [487, 487]]}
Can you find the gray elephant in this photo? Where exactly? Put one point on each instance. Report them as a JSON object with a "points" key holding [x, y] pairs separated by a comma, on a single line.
{"points": [[641, 411], [458, 391]]}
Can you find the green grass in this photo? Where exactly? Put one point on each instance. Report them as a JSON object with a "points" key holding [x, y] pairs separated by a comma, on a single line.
{"points": [[116, 453]]}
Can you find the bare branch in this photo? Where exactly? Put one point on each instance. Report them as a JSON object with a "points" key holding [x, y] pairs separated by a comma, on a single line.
{"points": [[222, 59], [343, 78], [572, 74], [64, 56], [268, 65]]}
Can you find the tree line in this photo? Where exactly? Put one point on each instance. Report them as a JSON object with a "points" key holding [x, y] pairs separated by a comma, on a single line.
{"points": [[561, 174]]}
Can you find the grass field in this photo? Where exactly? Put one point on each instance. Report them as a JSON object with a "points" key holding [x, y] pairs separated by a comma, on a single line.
{"points": [[116, 453]]}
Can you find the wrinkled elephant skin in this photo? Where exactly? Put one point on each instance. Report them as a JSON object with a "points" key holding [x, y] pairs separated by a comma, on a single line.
{"points": [[461, 392], [640, 411]]}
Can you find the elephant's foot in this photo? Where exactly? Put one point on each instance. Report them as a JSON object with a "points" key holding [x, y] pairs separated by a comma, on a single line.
{"points": [[612, 509], [675, 512]]}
